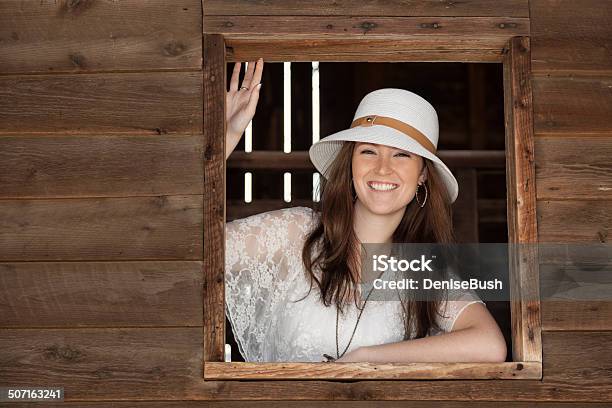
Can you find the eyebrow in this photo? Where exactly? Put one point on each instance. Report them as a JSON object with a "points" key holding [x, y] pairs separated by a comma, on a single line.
{"points": [[374, 145]]}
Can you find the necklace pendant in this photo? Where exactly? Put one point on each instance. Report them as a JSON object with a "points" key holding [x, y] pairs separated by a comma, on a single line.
{"points": [[329, 358]]}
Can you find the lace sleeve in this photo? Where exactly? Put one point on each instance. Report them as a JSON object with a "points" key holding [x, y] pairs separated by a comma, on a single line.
{"points": [[456, 303], [260, 255]]}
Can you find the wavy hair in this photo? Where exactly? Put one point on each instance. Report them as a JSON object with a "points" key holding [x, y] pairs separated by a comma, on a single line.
{"points": [[336, 247]]}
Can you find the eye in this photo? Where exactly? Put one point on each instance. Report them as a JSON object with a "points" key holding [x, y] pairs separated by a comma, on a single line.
{"points": [[366, 151], [403, 154]]}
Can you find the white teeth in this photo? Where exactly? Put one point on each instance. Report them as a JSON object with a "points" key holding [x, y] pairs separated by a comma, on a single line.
{"points": [[382, 187]]}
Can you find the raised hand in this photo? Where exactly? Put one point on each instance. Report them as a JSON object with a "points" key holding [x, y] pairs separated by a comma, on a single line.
{"points": [[241, 103]]}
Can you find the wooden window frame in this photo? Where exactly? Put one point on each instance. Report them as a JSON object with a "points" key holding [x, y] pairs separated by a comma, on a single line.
{"points": [[521, 212]]}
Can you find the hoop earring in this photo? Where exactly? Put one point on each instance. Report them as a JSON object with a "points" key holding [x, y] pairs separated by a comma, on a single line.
{"points": [[416, 195]]}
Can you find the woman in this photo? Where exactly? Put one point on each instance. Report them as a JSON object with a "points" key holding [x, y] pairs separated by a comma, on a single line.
{"points": [[292, 275]]}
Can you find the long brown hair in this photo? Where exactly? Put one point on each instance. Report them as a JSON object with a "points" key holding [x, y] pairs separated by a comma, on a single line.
{"points": [[335, 244]]}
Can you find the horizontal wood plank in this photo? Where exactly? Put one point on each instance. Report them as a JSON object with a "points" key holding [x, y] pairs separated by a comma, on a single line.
{"points": [[576, 287], [100, 165], [574, 221], [315, 404], [576, 358], [103, 364], [574, 168], [571, 35], [137, 103], [497, 30], [422, 48], [572, 106], [569, 379], [162, 227], [165, 364], [424, 8], [101, 294], [84, 36], [577, 315], [347, 371]]}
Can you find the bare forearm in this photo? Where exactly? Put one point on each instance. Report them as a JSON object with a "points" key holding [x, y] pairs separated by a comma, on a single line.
{"points": [[467, 345], [231, 141]]}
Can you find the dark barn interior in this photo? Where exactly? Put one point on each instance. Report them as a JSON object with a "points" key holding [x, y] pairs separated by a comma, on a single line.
{"points": [[469, 101]]}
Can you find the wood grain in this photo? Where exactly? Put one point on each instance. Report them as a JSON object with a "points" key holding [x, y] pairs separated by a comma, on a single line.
{"points": [[496, 29], [131, 228], [214, 79], [105, 363], [428, 48], [571, 36], [572, 106], [574, 368], [166, 364], [101, 294], [100, 165], [574, 168], [424, 8], [574, 221], [317, 404], [521, 198], [576, 287], [136, 103], [84, 36], [347, 371], [577, 315]]}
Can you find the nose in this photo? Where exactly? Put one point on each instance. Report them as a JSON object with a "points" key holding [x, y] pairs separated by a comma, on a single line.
{"points": [[383, 165]]}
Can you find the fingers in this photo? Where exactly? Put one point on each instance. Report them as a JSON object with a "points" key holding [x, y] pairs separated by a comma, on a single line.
{"points": [[248, 74], [252, 105], [235, 76], [258, 71]]}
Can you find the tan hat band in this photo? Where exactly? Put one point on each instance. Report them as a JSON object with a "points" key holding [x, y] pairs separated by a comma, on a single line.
{"points": [[397, 125]]}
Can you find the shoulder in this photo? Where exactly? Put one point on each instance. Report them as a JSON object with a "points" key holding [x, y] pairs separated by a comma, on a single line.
{"points": [[290, 214], [290, 219], [299, 220]]}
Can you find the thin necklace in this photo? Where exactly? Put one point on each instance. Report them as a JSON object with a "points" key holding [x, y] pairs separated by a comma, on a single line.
{"points": [[338, 355]]}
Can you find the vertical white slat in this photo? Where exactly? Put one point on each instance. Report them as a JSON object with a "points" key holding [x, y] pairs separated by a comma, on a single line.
{"points": [[228, 353], [248, 134], [248, 186], [287, 107], [315, 187], [316, 127], [287, 187], [315, 102]]}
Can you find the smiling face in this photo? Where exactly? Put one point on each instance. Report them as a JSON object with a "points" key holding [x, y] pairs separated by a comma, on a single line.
{"points": [[385, 178]]}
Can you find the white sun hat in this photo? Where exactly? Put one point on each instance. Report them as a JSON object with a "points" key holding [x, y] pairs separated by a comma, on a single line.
{"points": [[391, 117]]}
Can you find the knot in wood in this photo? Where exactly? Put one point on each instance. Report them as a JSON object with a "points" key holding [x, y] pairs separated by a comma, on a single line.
{"points": [[435, 26], [174, 48], [366, 25], [78, 60]]}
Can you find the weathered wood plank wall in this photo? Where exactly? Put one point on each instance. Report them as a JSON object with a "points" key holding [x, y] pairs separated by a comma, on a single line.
{"points": [[101, 189], [572, 82], [101, 195]]}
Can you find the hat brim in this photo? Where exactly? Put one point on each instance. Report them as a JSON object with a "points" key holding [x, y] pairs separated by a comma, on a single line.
{"points": [[323, 153]]}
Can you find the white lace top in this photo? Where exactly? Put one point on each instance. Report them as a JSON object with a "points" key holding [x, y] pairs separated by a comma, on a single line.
{"points": [[264, 275]]}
